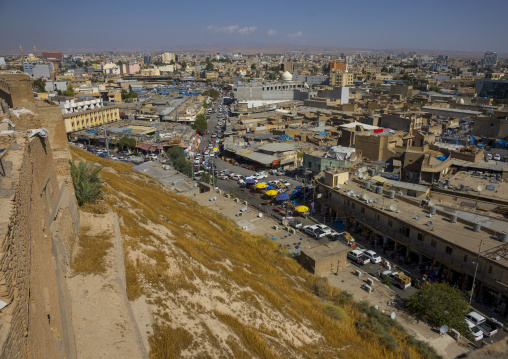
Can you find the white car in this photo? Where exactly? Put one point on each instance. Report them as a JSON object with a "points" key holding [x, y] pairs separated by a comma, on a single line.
{"points": [[475, 332], [497, 157], [273, 183], [373, 256], [324, 228], [261, 175]]}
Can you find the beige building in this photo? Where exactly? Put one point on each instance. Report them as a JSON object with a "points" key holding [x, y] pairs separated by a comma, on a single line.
{"points": [[341, 79], [168, 57], [325, 259], [92, 118]]}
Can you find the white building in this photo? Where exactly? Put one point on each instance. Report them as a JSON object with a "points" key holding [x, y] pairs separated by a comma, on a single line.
{"points": [[111, 69], [70, 105], [168, 57]]}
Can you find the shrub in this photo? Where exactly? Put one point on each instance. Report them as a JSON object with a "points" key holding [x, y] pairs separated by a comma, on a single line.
{"points": [[91, 257], [167, 342], [335, 312], [87, 182]]}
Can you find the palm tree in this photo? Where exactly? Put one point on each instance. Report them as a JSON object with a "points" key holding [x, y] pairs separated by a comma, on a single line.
{"points": [[87, 182]]}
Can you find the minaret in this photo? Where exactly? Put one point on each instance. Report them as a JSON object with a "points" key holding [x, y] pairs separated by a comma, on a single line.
{"points": [[22, 58], [35, 51]]}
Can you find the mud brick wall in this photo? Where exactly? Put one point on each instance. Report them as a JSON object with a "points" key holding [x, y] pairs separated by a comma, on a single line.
{"points": [[37, 320]]}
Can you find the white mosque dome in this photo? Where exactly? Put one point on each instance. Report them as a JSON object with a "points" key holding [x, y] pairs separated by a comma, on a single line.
{"points": [[461, 101], [286, 76]]}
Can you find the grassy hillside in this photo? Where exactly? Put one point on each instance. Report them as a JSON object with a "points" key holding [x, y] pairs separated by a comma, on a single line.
{"points": [[220, 292]]}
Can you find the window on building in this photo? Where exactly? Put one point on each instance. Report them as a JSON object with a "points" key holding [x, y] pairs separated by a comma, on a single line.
{"points": [[433, 243], [390, 223], [362, 210], [449, 250], [465, 257], [490, 270], [353, 205], [420, 237], [404, 231], [377, 217]]}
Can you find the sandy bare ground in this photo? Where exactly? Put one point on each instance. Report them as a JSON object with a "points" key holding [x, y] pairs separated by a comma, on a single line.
{"points": [[104, 323]]}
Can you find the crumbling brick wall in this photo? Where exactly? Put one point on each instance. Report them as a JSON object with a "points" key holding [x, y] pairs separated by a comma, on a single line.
{"points": [[37, 319]]}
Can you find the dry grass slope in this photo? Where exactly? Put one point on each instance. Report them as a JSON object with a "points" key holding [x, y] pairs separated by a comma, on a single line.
{"points": [[218, 291], [90, 258]]}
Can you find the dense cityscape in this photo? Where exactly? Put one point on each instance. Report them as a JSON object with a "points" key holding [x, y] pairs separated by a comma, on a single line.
{"points": [[184, 204]]}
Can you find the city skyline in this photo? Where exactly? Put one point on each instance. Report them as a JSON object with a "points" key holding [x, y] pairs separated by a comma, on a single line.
{"points": [[393, 24]]}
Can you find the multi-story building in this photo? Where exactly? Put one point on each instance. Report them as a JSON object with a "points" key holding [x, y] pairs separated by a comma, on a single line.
{"points": [[132, 68], [111, 69], [338, 66], [390, 216], [341, 78], [490, 59], [284, 90], [86, 112], [38, 69], [496, 89], [168, 57], [147, 59]]}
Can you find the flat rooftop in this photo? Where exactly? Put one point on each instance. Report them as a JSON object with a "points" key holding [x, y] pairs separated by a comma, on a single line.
{"points": [[326, 250], [460, 234]]}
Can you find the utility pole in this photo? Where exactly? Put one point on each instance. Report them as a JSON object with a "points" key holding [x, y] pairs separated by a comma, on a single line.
{"points": [[475, 271]]}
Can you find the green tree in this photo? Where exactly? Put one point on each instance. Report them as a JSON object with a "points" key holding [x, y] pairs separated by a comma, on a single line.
{"points": [[176, 155], [111, 82], [69, 91], [315, 69], [131, 94], [87, 182], [435, 89], [200, 123], [205, 104], [253, 67], [183, 64], [40, 85], [326, 68], [205, 177], [127, 141], [212, 93], [209, 66], [384, 69], [441, 304]]}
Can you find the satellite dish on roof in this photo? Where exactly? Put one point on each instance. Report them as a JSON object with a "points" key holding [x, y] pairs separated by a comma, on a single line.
{"points": [[352, 191], [356, 173], [480, 188], [244, 209], [429, 223], [339, 186], [432, 203], [364, 177], [392, 315], [393, 207], [443, 329], [376, 200], [366, 197], [399, 211]]}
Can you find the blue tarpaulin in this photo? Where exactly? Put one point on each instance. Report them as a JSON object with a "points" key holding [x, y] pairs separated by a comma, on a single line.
{"points": [[92, 131], [441, 158], [282, 196], [490, 188], [339, 225], [503, 143], [322, 133], [472, 139]]}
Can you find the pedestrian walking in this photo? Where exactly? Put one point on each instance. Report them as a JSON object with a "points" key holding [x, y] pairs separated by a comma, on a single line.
{"points": [[379, 273]]}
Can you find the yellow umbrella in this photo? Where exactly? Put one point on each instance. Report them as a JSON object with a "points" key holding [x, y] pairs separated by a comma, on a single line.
{"points": [[302, 209], [215, 149], [260, 185], [271, 193]]}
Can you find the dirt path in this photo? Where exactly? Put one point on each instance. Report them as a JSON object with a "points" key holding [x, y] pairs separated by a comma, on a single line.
{"points": [[105, 326]]}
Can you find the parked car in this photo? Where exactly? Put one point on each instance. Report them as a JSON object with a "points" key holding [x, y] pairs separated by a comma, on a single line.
{"points": [[373, 256], [475, 332], [273, 183], [313, 231], [497, 157], [295, 223], [357, 257], [487, 326], [324, 228]]}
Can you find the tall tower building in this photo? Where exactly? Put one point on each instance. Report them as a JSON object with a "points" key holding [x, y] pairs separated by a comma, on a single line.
{"points": [[490, 59]]}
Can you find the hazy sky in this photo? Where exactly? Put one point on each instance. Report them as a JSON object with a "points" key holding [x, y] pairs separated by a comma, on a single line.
{"points": [[463, 25]]}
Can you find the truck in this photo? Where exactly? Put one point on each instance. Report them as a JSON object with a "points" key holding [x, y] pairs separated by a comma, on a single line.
{"points": [[402, 281], [487, 326]]}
